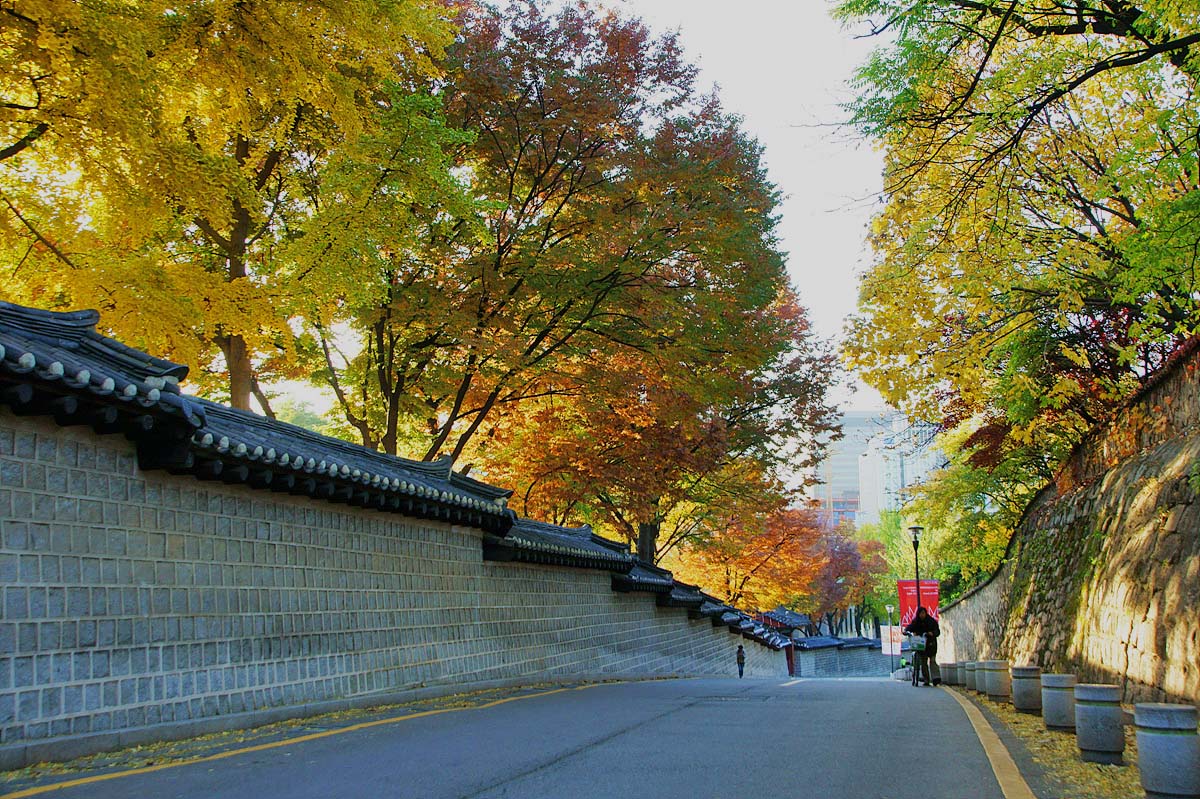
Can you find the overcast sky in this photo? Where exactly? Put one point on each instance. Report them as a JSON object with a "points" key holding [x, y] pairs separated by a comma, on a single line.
{"points": [[783, 65]]}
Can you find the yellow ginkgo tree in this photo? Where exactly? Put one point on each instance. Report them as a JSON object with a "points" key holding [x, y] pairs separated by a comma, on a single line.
{"points": [[154, 156]]}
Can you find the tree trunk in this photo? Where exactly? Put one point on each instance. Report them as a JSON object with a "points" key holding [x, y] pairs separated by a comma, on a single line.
{"points": [[235, 247], [240, 382], [647, 540]]}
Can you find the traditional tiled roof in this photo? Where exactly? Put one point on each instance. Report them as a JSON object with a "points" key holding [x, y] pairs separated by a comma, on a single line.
{"points": [[859, 643], [773, 640], [644, 577], [682, 595], [818, 642], [752, 630], [714, 609], [788, 618], [57, 364], [537, 542], [306, 462]]}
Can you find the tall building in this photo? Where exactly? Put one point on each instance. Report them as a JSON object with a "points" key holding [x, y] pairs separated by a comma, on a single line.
{"points": [[838, 491], [894, 459]]}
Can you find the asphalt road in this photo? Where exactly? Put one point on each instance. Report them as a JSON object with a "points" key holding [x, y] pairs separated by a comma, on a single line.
{"points": [[685, 739]]}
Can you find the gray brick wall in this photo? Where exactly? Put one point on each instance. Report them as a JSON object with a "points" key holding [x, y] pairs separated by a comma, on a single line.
{"points": [[834, 662], [133, 599]]}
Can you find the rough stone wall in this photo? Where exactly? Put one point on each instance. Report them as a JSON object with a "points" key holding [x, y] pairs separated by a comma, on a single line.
{"points": [[972, 626], [134, 599], [1102, 577]]}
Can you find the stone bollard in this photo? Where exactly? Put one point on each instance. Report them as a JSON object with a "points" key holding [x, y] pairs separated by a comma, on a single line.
{"points": [[1058, 701], [1027, 689], [950, 673], [971, 673], [981, 677], [1168, 750], [997, 682], [1098, 723]]}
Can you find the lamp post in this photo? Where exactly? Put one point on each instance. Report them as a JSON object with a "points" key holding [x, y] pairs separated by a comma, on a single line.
{"points": [[891, 647], [915, 531]]}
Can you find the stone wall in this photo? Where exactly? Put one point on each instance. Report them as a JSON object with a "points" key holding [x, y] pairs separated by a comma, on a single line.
{"points": [[1102, 578], [850, 662], [145, 601]]}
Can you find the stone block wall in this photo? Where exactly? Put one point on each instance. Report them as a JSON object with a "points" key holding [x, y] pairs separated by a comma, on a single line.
{"points": [[1102, 578], [140, 599], [834, 662], [563, 622]]}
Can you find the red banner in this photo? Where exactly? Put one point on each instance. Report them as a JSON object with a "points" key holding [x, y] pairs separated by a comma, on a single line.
{"points": [[907, 590]]}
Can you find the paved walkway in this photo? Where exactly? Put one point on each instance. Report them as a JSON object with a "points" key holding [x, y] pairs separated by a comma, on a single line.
{"points": [[685, 739]]}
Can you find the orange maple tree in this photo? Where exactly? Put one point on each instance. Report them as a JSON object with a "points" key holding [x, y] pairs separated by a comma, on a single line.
{"points": [[757, 560], [617, 439], [676, 438]]}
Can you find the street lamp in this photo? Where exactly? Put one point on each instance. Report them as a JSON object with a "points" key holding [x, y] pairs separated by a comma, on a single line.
{"points": [[915, 531], [891, 646]]}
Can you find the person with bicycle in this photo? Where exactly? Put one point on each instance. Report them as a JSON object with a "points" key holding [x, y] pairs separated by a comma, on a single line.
{"points": [[926, 626]]}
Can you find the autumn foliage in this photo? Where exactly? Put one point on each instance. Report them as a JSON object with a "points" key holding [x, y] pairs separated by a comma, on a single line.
{"points": [[758, 562], [1035, 251], [762, 557], [155, 156], [519, 237]]}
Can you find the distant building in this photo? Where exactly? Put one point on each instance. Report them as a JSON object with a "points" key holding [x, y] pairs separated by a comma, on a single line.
{"points": [[894, 459], [839, 492], [880, 454]]}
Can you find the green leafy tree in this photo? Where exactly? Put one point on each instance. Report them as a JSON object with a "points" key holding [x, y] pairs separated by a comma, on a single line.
{"points": [[1035, 254]]}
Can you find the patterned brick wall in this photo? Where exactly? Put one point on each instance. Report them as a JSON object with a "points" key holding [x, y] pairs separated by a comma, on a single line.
{"points": [[134, 599], [834, 662]]}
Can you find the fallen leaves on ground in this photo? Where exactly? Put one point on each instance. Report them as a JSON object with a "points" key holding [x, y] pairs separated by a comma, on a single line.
{"points": [[1058, 755]]}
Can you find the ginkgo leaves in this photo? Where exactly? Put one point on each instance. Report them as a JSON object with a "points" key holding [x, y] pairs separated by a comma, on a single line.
{"points": [[195, 133], [1035, 255]]}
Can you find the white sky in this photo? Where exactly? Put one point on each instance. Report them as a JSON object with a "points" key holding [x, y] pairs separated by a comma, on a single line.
{"points": [[784, 66]]}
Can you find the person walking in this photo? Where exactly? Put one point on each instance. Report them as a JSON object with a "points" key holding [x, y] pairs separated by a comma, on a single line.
{"points": [[741, 661], [926, 626]]}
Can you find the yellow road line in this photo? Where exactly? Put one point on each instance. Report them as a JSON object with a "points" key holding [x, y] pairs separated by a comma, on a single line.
{"points": [[58, 786], [784, 685], [1012, 784]]}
